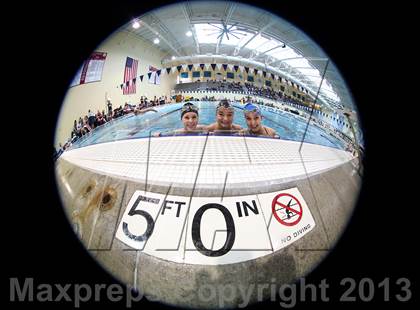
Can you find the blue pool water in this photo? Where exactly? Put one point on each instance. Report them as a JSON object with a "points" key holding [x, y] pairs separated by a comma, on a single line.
{"points": [[288, 126]]}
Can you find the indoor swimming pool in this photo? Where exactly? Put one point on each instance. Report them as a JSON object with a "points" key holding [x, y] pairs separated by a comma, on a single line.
{"points": [[167, 118]]}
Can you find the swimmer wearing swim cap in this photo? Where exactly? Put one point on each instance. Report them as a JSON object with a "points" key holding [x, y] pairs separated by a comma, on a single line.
{"points": [[224, 118], [253, 118], [189, 117]]}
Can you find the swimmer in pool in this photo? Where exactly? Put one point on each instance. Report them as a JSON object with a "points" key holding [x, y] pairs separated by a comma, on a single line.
{"points": [[189, 117], [142, 111], [253, 119], [224, 119]]}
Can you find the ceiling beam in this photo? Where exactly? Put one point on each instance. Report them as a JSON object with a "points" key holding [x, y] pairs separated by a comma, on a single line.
{"points": [[166, 31], [186, 10], [276, 47], [258, 55], [238, 49]]}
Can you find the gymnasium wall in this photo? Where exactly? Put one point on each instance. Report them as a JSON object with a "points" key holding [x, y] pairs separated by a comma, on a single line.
{"points": [[79, 99]]}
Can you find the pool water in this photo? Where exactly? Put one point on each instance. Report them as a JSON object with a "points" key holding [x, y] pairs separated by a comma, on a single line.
{"points": [[287, 125]]}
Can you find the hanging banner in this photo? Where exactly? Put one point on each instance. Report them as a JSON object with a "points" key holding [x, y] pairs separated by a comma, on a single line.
{"points": [[91, 70], [154, 76]]}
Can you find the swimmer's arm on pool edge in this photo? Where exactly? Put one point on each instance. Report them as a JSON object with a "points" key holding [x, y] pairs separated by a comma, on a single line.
{"points": [[144, 111], [272, 133], [160, 134]]}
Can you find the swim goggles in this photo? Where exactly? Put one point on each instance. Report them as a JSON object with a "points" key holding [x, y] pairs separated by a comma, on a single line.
{"points": [[188, 107], [250, 107], [224, 104]]}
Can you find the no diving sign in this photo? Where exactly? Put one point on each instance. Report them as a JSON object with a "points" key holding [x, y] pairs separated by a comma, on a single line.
{"points": [[287, 209], [289, 216]]}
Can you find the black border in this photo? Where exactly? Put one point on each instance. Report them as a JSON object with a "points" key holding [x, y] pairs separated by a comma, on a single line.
{"points": [[39, 242]]}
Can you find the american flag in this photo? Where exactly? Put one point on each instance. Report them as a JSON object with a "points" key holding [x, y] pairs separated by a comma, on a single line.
{"points": [[130, 72]]}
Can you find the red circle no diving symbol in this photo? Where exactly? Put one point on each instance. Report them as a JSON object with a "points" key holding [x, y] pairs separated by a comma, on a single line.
{"points": [[287, 209]]}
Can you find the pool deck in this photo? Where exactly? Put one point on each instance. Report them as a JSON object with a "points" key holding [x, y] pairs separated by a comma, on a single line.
{"points": [[327, 179], [244, 165]]}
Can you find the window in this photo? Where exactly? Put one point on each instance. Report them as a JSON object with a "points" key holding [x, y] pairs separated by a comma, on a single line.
{"points": [[250, 78], [282, 88], [184, 75], [267, 83], [230, 75], [207, 73], [196, 74]]}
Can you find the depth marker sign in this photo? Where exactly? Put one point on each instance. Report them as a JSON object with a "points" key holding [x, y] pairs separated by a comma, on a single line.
{"points": [[212, 232]]}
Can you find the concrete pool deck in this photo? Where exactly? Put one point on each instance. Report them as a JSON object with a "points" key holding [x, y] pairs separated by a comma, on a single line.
{"points": [[95, 200]]}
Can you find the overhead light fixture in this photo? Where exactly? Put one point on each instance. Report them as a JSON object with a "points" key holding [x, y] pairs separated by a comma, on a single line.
{"points": [[173, 57], [136, 24], [156, 41], [189, 33]]}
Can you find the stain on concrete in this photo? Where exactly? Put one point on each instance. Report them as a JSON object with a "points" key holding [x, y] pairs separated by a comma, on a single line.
{"points": [[88, 188], [103, 200], [108, 199]]}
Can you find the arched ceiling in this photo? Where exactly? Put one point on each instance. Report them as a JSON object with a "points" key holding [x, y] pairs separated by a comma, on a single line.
{"points": [[244, 35]]}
